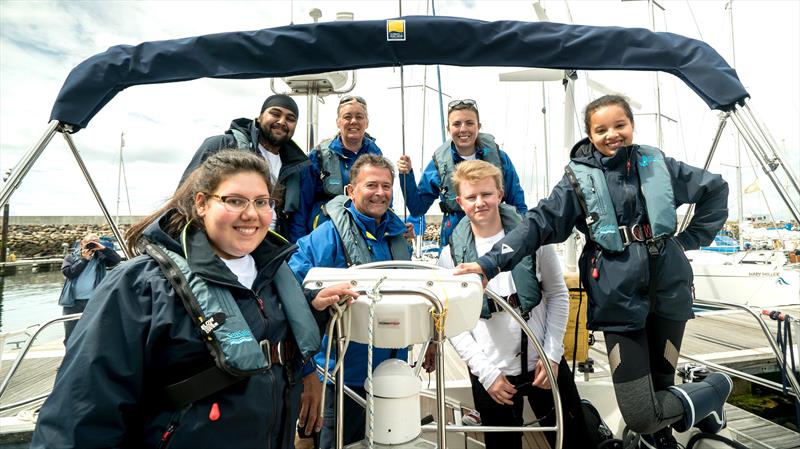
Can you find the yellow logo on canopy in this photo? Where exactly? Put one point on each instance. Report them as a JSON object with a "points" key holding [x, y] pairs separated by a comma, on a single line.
{"points": [[395, 30]]}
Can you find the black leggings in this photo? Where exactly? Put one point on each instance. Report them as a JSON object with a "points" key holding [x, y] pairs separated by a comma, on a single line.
{"points": [[643, 365]]}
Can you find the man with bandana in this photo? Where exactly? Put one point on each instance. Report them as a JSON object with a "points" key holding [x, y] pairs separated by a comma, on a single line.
{"points": [[270, 135]]}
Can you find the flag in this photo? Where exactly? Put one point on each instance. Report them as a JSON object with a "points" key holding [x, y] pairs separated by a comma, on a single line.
{"points": [[753, 188]]}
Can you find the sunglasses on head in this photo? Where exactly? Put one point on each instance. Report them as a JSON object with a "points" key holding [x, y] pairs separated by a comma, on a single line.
{"points": [[465, 102], [349, 98]]}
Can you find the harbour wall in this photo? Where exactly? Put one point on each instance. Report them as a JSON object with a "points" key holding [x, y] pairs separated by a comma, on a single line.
{"points": [[50, 236]]}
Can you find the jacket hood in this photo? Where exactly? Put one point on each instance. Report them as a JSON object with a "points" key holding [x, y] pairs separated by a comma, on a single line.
{"points": [[290, 152], [584, 152], [273, 251]]}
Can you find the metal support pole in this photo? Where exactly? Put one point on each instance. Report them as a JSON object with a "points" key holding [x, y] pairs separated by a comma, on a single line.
{"points": [[4, 238], [571, 250], [723, 119], [25, 164], [771, 144], [659, 129], [441, 434], [766, 163], [311, 128], [97, 196]]}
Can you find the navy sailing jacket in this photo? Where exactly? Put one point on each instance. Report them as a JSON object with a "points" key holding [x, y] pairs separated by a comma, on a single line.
{"points": [[619, 297], [136, 337]]}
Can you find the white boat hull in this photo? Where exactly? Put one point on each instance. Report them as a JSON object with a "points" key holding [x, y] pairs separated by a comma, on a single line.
{"points": [[729, 278]]}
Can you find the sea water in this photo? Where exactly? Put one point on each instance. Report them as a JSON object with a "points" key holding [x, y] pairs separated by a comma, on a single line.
{"points": [[27, 299]]}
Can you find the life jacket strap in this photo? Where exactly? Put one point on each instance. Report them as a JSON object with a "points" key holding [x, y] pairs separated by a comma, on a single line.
{"points": [[640, 232], [512, 300], [213, 379]]}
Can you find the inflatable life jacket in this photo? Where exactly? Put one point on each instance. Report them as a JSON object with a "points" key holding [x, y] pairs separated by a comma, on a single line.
{"points": [[462, 249], [601, 219], [445, 166], [356, 251], [236, 352], [330, 167]]}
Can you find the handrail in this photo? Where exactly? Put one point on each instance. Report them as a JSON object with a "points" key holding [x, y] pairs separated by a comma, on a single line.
{"points": [[27, 401], [792, 379], [27, 347], [740, 374]]}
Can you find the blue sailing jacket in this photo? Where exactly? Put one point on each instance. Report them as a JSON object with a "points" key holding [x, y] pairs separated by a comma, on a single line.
{"points": [[323, 248], [419, 197], [312, 182]]}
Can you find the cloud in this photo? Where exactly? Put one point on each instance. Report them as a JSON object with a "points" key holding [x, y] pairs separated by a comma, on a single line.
{"points": [[165, 124]]}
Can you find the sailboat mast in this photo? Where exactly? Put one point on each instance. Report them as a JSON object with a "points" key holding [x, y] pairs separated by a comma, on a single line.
{"points": [[403, 110], [651, 4], [739, 194], [119, 170], [439, 81]]}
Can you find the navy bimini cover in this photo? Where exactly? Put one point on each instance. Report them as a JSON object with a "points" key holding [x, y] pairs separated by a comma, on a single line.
{"points": [[322, 47]]}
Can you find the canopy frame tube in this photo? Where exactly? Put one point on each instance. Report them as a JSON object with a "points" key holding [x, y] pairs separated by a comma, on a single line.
{"points": [[770, 163], [96, 193], [24, 165]]}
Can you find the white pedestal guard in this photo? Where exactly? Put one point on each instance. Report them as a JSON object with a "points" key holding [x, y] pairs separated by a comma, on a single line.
{"points": [[403, 315]]}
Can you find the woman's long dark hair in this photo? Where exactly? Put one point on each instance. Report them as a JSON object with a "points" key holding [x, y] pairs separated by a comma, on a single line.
{"points": [[205, 178]]}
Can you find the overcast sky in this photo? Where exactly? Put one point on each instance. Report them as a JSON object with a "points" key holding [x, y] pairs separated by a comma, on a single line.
{"points": [[40, 42]]}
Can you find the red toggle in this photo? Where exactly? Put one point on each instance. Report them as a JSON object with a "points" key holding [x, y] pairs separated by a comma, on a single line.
{"points": [[774, 314], [213, 415]]}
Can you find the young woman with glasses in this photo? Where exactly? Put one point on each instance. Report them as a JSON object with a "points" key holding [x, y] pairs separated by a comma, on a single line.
{"points": [[466, 143], [142, 371]]}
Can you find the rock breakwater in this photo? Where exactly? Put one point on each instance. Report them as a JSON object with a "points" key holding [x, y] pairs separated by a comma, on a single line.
{"points": [[29, 241], [50, 240]]}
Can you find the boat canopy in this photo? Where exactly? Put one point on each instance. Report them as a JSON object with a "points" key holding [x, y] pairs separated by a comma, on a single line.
{"points": [[326, 46]]}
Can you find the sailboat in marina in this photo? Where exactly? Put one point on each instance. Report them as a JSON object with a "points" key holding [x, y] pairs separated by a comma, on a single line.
{"points": [[726, 271], [96, 82]]}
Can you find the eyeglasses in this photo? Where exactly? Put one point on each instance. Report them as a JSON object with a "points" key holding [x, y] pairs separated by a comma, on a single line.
{"points": [[349, 98], [234, 203], [466, 102]]}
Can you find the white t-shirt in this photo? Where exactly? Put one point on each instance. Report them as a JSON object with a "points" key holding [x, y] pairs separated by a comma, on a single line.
{"points": [[492, 347], [275, 164], [244, 268], [471, 157]]}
